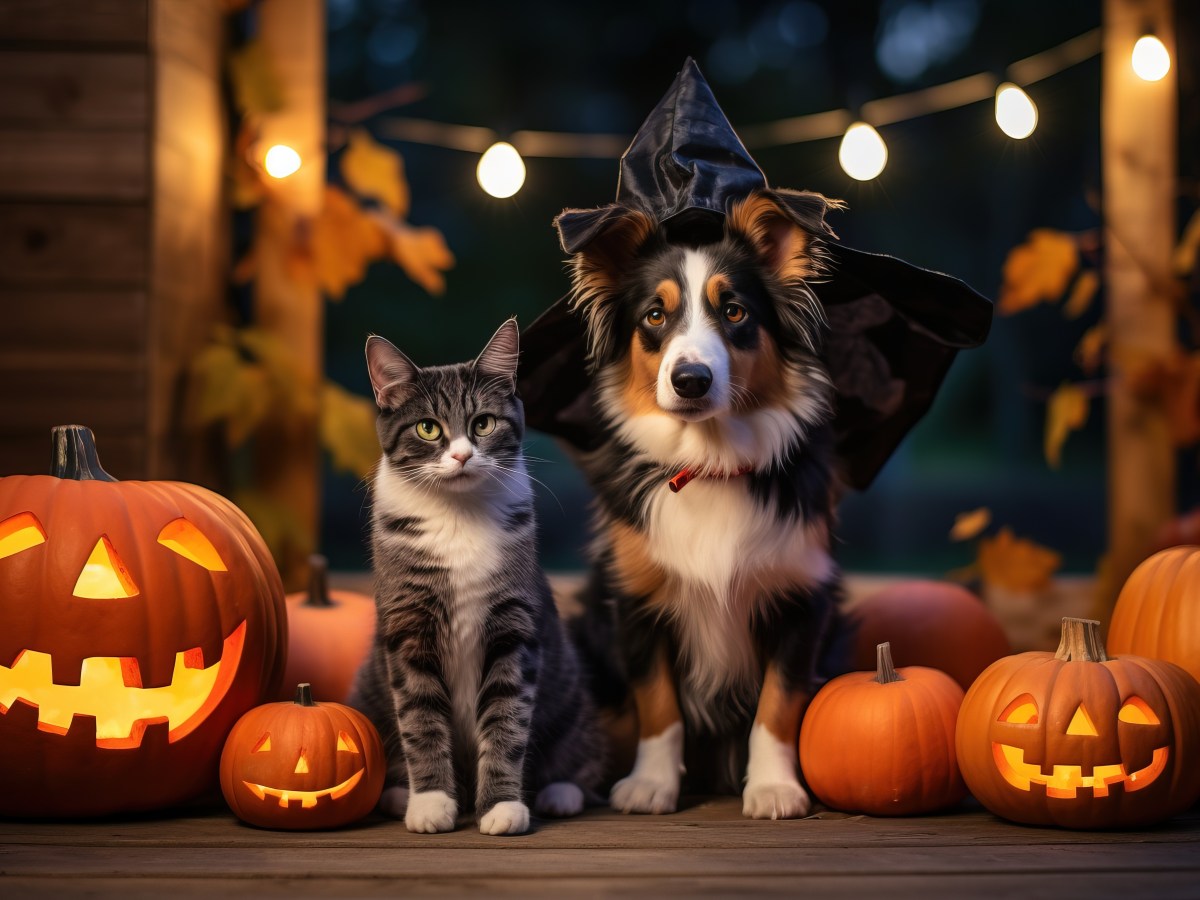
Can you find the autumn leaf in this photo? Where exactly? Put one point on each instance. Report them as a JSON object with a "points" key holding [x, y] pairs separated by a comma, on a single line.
{"points": [[228, 387], [1082, 293], [256, 85], [281, 529], [348, 429], [970, 524], [422, 253], [1038, 271], [342, 243], [1016, 564], [291, 391], [375, 171], [1091, 347], [1067, 411]]}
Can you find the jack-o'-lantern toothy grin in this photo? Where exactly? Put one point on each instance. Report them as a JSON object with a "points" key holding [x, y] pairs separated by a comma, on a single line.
{"points": [[308, 799], [110, 690], [1066, 780]]}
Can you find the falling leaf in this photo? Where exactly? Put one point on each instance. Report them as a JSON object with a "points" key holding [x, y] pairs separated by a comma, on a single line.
{"points": [[1184, 260], [1090, 348], [422, 253], [970, 524], [1067, 411], [375, 171], [1038, 271], [1016, 564], [1081, 294], [342, 243], [256, 85], [348, 429]]}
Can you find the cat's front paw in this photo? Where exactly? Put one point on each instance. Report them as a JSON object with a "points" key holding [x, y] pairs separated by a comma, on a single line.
{"points": [[430, 812], [645, 794], [777, 800], [506, 817], [559, 800]]}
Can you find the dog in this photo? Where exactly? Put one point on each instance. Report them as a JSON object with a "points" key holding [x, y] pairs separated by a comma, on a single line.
{"points": [[715, 483]]}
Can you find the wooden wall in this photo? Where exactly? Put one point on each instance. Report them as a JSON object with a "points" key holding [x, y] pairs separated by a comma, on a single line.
{"points": [[112, 230]]}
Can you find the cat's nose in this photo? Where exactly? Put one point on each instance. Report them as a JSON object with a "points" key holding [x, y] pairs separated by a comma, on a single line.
{"points": [[461, 452]]}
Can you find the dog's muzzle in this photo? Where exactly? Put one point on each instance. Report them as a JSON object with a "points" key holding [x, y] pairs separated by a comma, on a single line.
{"points": [[691, 380]]}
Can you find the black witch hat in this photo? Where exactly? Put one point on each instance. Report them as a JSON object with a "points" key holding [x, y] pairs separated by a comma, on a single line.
{"points": [[894, 329]]}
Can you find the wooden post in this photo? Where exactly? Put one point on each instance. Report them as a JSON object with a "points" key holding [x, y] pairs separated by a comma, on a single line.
{"points": [[1138, 128], [287, 448]]}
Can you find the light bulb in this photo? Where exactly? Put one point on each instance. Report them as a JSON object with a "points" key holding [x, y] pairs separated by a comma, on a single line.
{"points": [[1151, 61], [501, 170], [1016, 113], [281, 161], [863, 153]]}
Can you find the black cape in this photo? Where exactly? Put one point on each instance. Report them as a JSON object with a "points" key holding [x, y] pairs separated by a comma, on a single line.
{"points": [[894, 328]]}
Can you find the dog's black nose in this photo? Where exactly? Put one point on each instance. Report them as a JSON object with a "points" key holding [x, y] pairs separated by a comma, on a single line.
{"points": [[691, 380]]}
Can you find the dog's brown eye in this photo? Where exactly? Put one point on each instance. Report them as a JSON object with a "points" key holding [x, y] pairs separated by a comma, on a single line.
{"points": [[655, 317], [733, 312]]}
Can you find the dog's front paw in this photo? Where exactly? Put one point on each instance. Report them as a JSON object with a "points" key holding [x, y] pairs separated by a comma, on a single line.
{"points": [[506, 817], [430, 812], [559, 800], [643, 794], [778, 800]]}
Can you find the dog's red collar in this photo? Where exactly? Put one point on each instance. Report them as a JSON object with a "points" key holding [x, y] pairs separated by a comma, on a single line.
{"points": [[683, 476]]}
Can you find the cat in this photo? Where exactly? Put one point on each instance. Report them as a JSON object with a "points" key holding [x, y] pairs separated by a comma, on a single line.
{"points": [[471, 681]]}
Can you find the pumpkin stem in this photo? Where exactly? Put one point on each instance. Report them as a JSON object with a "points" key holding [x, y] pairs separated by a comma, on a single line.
{"points": [[885, 671], [318, 582], [73, 454], [304, 695], [1081, 641]]}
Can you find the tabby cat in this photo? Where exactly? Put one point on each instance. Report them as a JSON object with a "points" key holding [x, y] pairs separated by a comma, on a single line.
{"points": [[471, 682]]}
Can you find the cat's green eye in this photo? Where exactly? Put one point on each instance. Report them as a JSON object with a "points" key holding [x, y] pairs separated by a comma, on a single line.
{"points": [[428, 430], [484, 425]]}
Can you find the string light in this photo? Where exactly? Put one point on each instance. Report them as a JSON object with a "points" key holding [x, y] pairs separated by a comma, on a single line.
{"points": [[281, 161], [1016, 113], [863, 154], [501, 170], [1151, 61]]}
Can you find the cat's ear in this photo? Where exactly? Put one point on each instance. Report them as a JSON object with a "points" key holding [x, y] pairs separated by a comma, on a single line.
{"points": [[392, 373], [499, 357]]}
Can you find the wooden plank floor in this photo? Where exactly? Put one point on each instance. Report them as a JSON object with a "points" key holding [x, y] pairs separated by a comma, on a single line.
{"points": [[707, 849]]}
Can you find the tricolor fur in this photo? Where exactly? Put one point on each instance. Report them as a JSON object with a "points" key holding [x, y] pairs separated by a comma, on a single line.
{"points": [[706, 358]]}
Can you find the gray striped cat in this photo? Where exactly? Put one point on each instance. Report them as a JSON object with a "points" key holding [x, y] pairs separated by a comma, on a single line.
{"points": [[472, 683]]}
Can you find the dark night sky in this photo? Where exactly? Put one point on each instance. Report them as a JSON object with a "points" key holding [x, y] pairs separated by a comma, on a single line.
{"points": [[956, 196]]}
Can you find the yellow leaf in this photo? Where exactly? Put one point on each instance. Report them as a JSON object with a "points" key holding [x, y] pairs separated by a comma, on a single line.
{"points": [[256, 85], [375, 171], [1091, 346], [423, 254], [1067, 411], [252, 402], [290, 389], [1016, 564], [214, 380], [348, 429], [1081, 294], [343, 242], [1038, 270], [970, 524], [1184, 261]]}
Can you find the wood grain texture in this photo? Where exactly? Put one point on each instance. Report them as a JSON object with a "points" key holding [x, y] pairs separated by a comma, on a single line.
{"points": [[58, 164], [78, 90], [51, 324], [60, 245], [94, 22]]}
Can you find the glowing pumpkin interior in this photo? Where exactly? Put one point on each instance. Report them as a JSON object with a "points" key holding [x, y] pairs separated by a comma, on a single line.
{"points": [[1065, 780], [110, 687], [307, 799]]}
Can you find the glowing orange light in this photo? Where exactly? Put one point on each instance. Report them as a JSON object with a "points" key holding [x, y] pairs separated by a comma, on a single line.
{"points": [[104, 576]]}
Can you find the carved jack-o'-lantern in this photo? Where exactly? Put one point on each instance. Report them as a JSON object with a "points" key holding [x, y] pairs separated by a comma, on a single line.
{"points": [[1080, 740], [139, 620], [302, 765]]}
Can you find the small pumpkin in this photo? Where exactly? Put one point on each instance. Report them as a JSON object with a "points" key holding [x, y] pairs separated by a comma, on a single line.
{"points": [[140, 620], [1078, 739], [928, 623], [302, 765], [329, 634], [882, 742], [1158, 612]]}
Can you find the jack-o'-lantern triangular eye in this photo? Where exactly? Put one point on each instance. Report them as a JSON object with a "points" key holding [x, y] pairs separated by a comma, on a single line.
{"points": [[1137, 711], [20, 532], [1022, 711], [263, 745], [346, 743], [104, 576], [189, 542], [1081, 723]]}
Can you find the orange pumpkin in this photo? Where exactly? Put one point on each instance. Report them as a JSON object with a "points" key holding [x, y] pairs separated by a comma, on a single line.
{"points": [[140, 619], [302, 765], [929, 623], [1077, 739], [329, 634], [882, 742], [1158, 612]]}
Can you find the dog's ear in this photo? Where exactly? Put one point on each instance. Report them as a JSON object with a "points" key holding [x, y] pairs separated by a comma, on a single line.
{"points": [[602, 243], [786, 229], [392, 373]]}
